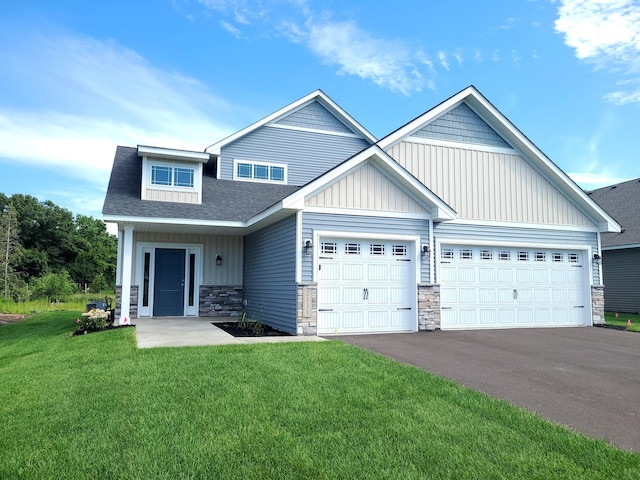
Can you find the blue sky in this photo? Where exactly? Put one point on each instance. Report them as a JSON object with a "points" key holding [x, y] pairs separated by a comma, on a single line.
{"points": [[79, 77]]}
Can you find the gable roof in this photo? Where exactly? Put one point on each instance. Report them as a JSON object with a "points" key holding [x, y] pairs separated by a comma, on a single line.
{"points": [[514, 137], [439, 209], [622, 201], [224, 202], [277, 117]]}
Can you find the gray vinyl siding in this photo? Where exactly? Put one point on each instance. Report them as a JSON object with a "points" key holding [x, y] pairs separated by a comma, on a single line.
{"points": [[316, 117], [621, 272], [307, 154], [364, 225], [462, 125], [558, 238], [270, 275]]}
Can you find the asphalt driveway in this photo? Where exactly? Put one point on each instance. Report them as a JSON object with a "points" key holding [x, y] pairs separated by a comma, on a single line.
{"points": [[585, 378]]}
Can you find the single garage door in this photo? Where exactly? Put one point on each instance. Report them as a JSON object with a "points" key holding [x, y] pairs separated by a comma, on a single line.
{"points": [[493, 287], [366, 286]]}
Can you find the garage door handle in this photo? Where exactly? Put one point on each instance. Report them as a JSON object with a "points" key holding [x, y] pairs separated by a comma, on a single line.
{"points": [[325, 309], [403, 308], [365, 294], [515, 294]]}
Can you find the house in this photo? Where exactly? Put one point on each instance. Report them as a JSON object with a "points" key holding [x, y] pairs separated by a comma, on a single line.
{"points": [[304, 220], [621, 251]]}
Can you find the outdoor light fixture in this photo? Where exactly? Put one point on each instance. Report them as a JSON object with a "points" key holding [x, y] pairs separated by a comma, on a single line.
{"points": [[307, 246], [597, 259], [425, 250], [218, 259]]}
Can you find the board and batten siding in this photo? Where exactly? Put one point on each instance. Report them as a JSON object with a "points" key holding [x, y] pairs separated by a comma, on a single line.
{"points": [[621, 272], [270, 275], [171, 196], [365, 225], [230, 248], [366, 188], [523, 236], [306, 154], [485, 185]]}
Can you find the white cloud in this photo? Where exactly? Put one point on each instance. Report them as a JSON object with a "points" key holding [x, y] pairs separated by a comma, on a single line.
{"points": [[232, 29], [591, 181], [605, 33], [91, 96], [442, 56], [387, 63]]}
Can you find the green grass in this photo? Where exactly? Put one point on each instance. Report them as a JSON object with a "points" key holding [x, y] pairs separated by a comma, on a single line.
{"points": [[94, 406], [73, 302], [621, 321]]}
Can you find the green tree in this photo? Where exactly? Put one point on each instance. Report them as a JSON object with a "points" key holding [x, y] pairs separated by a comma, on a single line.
{"points": [[9, 251], [53, 286]]}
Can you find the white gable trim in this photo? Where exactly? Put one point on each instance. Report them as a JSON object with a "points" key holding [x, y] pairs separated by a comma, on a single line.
{"points": [[467, 146], [318, 96], [172, 154], [313, 130], [490, 114]]}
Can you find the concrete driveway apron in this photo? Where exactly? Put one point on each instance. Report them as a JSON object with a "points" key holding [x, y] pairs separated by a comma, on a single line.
{"points": [[585, 378]]}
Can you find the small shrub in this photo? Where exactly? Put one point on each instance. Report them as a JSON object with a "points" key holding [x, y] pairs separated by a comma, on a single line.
{"points": [[92, 321]]}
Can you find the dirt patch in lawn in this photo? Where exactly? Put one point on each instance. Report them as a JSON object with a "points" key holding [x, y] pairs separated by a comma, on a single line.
{"points": [[6, 318], [233, 328]]}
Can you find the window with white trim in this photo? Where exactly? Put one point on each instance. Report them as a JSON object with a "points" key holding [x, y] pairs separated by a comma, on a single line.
{"points": [[172, 176], [260, 171]]}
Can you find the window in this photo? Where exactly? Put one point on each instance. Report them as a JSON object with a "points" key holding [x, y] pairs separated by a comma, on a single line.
{"points": [[486, 255], [329, 248], [523, 256], [573, 258], [541, 257], [376, 249], [446, 254], [168, 176], [466, 254], [260, 171], [504, 255], [558, 257], [352, 248], [399, 251]]}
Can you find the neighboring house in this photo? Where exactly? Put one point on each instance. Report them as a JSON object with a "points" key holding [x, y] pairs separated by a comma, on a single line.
{"points": [[621, 251], [454, 221]]}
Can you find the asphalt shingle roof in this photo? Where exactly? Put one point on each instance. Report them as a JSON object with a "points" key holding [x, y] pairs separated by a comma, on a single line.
{"points": [[222, 200], [622, 202]]}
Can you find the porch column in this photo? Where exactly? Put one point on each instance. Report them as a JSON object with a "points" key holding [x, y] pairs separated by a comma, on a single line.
{"points": [[127, 259]]}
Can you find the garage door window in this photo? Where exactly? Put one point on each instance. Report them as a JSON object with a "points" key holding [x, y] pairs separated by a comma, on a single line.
{"points": [[329, 248], [399, 250], [376, 249], [558, 257], [486, 255], [446, 254], [466, 254], [573, 258], [541, 257], [352, 249], [523, 256], [504, 255]]}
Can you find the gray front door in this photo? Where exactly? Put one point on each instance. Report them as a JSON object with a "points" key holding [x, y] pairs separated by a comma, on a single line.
{"points": [[168, 297]]}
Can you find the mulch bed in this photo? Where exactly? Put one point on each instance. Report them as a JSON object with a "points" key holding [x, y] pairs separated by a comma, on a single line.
{"points": [[232, 328]]}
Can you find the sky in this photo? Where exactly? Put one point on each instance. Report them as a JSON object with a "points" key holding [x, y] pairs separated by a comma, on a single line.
{"points": [[79, 77]]}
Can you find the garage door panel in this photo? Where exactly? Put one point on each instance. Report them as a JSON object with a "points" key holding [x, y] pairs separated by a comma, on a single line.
{"points": [[512, 287], [366, 286]]}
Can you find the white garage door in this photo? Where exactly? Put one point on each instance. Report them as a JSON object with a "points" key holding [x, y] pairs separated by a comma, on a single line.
{"points": [[492, 287], [366, 286]]}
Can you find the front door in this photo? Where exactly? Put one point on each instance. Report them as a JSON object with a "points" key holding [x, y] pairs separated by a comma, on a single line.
{"points": [[168, 298]]}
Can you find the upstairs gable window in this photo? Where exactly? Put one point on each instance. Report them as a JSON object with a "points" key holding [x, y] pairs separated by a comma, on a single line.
{"points": [[260, 171], [170, 176]]}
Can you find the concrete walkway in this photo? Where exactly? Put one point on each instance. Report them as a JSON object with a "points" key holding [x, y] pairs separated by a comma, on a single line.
{"points": [[191, 332]]}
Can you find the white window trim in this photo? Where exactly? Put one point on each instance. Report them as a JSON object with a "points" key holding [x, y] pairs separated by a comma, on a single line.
{"points": [[236, 161], [147, 165]]}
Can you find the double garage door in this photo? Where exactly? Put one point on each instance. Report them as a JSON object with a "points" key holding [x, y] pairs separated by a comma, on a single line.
{"points": [[366, 286], [493, 287]]}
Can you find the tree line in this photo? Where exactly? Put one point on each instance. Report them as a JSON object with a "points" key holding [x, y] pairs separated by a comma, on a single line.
{"points": [[45, 249]]}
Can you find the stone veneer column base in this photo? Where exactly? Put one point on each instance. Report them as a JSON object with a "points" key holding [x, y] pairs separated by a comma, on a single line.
{"points": [[220, 301], [597, 304], [428, 307], [307, 304], [133, 306]]}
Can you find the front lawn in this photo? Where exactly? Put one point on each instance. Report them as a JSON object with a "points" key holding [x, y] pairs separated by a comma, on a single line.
{"points": [[623, 320], [94, 406]]}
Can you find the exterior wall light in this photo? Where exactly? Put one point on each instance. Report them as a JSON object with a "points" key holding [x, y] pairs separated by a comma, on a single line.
{"points": [[218, 259], [597, 259], [308, 246], [425, 250]]}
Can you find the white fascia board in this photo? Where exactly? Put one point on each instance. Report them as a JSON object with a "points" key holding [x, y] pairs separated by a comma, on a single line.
{"points": [[172, 221], [621, 247], [319, 95], [173, 154]]}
